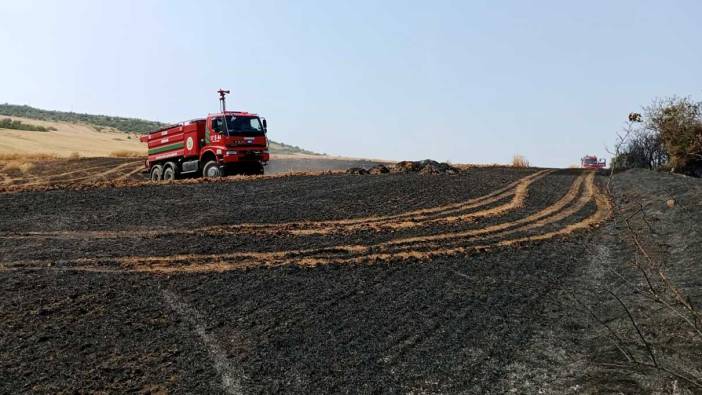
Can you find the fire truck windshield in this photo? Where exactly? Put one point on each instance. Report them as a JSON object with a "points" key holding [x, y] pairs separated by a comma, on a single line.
{"points": [[237, 125]]}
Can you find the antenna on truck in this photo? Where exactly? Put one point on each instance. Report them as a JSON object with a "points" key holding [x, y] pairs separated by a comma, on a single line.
{"points": [[222, 100]]}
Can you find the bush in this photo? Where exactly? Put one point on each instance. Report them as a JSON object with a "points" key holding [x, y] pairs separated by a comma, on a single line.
{"points": [[678, 122], [519, 161], [104, 121], [22, 166], [643, 150], [8, 123], [668, 135]]}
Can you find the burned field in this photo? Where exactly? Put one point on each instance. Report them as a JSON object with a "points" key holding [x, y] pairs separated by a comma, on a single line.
{"points": [[331, 283], [43, 174], [313, 220], [47, 174]]}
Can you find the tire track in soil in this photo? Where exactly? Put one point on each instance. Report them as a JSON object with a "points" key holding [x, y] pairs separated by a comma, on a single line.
{"points": [[104, 173], [49, 177], [414, 218], [230, 375], [351, 340], [549, 215], [424, 217], [323, 308], [44, 180], [6, 180], [369, 253], [9, 180], [382, 328], [379, 252], [518, 189], [131, 173]]}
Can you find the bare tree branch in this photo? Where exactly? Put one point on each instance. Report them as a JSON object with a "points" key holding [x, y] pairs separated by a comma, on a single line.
{"points": [[636, 326]]}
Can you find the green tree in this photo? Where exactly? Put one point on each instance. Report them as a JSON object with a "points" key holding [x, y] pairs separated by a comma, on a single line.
{"points": [[678, 121]]}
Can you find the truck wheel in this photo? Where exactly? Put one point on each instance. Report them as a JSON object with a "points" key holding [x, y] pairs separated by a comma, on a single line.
{"points": [[169, 172], [211, 170], [157, 173], [256, 170]]}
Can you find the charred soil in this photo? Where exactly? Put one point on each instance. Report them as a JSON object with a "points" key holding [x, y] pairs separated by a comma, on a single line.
{"points": [[399, 282]]}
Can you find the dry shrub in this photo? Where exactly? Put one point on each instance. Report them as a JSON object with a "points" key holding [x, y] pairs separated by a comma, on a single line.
{"points": [[26, 157], [20, 165], [126, 154], [25, 167], [74, 155], [677, 125], [519, 161], [8, 157], [468, 166]]}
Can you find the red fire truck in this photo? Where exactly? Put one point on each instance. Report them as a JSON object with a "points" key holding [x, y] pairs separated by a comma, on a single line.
{"points": [[228, 142], [591, 162]]}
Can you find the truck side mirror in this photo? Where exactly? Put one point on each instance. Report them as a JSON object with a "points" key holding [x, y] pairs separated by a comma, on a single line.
{"points": [[265, 124]]}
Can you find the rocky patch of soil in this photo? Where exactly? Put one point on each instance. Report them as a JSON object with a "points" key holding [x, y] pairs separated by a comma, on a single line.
{"points": [[426, 166]]}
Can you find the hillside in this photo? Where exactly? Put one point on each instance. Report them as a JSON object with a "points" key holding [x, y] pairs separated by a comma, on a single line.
{"points": [[64, 139], [86, 134]]}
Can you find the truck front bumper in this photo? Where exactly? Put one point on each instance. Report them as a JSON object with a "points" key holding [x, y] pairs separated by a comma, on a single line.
{"points": [[236, 156]]}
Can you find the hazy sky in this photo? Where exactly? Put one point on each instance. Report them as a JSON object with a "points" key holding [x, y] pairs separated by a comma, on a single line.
{"points": [[466, 81]]}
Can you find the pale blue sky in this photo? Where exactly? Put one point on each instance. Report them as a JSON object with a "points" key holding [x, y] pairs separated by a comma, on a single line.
{"points": [[466, 81]]}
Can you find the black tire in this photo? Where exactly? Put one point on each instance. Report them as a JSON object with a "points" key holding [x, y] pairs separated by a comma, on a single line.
{"points": [[251, 169], [169, 172], [156, 173], [211, 170], [258, 170]]}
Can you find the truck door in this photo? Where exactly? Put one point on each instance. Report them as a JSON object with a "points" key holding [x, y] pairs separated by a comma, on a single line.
{"points": [[217, 129]]}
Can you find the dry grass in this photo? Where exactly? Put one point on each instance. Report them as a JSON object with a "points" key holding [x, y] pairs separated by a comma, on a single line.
{"points": [[27, 157], [20, 165], [74, 155], [127, 154], [24, 163], [519, 161], [66, 139], [468, 166]]}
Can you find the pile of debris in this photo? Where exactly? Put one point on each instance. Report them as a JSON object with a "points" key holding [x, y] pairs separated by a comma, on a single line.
{"points": [[426, 166]]}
